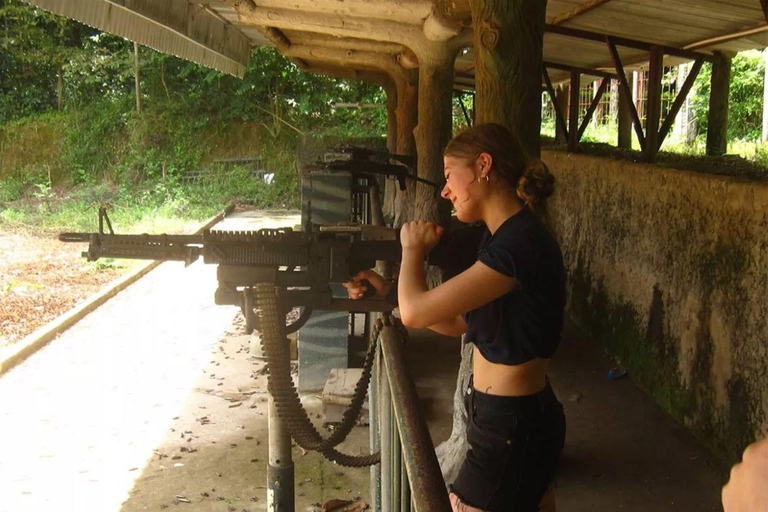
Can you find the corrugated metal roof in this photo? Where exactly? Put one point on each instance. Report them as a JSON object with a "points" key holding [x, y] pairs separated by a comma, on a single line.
{"points": [[175, 27]]}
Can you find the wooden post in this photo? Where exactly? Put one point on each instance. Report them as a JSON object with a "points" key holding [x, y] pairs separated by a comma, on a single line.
{"points": [[717, 125], [765, 96], [434, 128], [407, 116], [561, 105], [60, 88], [625, 120], [573, 112], [653, 105], [508, 47], [136, 74], [390, 186]]}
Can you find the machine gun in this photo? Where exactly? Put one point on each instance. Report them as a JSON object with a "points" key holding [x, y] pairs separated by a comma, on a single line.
{"points": [[303, 265], [362, 162]]}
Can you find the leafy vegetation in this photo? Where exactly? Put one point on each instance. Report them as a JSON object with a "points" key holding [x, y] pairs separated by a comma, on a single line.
{"points": [[71, 135]]}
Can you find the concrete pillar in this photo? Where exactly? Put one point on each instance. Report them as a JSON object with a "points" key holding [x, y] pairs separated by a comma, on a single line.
{"points": [[717, 124]]}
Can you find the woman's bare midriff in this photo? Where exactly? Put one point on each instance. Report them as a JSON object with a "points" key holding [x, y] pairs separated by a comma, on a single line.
{"points": [[500, 379]]}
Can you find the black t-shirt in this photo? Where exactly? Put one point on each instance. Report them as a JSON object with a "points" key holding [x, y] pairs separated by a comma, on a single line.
{"points": [[525, 323]]}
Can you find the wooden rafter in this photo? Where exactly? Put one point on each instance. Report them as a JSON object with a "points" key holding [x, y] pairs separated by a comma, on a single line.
{"points": [[593, 107], [581, 9], [583, 71], [726, 38], [764, 5], [623, 41], [625, 87], [679, 100], [551, 90]]}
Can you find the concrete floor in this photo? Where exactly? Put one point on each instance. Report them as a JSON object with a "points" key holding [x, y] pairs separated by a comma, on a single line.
{"points": [[153, 401]]}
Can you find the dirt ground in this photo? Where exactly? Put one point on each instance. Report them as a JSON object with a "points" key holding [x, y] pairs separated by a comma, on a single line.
{"points": [[41, 279]]}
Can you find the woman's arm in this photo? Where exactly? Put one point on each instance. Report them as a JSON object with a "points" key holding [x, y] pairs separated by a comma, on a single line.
{"points": [[421, 307], [453, 327]]}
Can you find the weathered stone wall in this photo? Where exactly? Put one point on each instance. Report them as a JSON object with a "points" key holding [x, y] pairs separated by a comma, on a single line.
{"points": [[669, 270]]}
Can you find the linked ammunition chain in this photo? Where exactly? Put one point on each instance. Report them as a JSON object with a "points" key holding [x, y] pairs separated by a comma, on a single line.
{"points": [[280, 385]]}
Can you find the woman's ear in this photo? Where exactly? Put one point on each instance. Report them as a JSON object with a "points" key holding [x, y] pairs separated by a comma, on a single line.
{"points": [[485, 162]]}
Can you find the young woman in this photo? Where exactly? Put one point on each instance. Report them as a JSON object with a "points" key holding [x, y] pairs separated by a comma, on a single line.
{"points": [[509, 303]]}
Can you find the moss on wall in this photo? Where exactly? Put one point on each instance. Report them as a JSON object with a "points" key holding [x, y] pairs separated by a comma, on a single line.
{"points": [[667, 269]]}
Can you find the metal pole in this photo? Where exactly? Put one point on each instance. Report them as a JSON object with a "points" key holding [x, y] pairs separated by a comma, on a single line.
{"points": [[280, 478], [397, 462], [385, 426], [426, 479]]}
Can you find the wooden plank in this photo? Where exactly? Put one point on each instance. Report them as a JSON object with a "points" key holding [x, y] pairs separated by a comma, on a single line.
{"points": [[764, 5], [581, 9], [679, 100], [728, 37], [558, 114], [583, 71], [573, 112], [717, 124], [625, 87], [592, 107], [653, 105]]}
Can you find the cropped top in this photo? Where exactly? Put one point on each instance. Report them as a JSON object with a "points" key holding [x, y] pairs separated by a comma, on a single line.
{"points": [[525, 323]]}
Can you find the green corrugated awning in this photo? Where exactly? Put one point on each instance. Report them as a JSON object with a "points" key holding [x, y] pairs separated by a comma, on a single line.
{"points": [[175, 27]]}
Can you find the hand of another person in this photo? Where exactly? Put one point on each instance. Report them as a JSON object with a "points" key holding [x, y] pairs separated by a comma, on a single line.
{"points": [[420, 234], [747, 490], [356, 289]]}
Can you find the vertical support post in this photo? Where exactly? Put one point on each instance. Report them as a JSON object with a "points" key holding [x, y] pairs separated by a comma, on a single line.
{"points": [[653, 105], [434, 128], [390, 187], [625, 120], [717, 126], [561, 104], [407, 117], [765, 96], [374, 432], [509, 42], [280, 474], [573, 111]]}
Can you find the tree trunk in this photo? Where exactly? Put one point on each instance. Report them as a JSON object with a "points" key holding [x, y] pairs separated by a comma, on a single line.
{"points": [[509, 40], [407, 117], [136, 75], [434, 129], [60, 88]]}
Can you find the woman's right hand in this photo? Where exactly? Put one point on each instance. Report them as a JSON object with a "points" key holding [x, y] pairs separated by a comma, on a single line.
{"points": [[356, 289], [422, 235]]}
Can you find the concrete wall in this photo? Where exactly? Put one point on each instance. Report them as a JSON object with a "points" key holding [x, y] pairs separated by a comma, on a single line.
{"points": [[669, 270]]}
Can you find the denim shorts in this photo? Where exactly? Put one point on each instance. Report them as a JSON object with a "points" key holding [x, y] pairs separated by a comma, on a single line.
{"points": [[514, 449]]}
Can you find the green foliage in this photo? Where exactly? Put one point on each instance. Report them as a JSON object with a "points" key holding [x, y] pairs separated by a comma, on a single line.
{"points": [[745, 98]]}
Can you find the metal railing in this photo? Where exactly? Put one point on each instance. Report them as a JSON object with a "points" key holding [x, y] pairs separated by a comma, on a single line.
{"points": [[409, 476]]}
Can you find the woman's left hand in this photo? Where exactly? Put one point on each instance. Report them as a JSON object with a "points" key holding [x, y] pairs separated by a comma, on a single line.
{"points": [[420, 234]]}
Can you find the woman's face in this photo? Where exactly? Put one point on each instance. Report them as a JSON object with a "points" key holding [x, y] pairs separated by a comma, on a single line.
{"points": [[460, 183]]}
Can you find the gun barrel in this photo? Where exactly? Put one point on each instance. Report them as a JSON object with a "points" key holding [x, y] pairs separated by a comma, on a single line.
{"points": [[75, 237]]}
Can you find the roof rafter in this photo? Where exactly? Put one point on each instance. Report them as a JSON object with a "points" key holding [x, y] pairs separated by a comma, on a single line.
{"points": [[581, 9], [727, 38], [623, 41]]}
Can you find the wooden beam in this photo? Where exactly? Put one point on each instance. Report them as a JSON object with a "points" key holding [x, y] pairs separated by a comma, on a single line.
{"points": [[345, 43], [583, 71], [764, 5], [447, 19], [627, 91], [353, 59], [679, 100], [624, 41], [593, 107], [653, 104], [727, 38], [580, 9], [717, 124], [573, 112], [625, 120], [559, 119], [277, 37]]}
